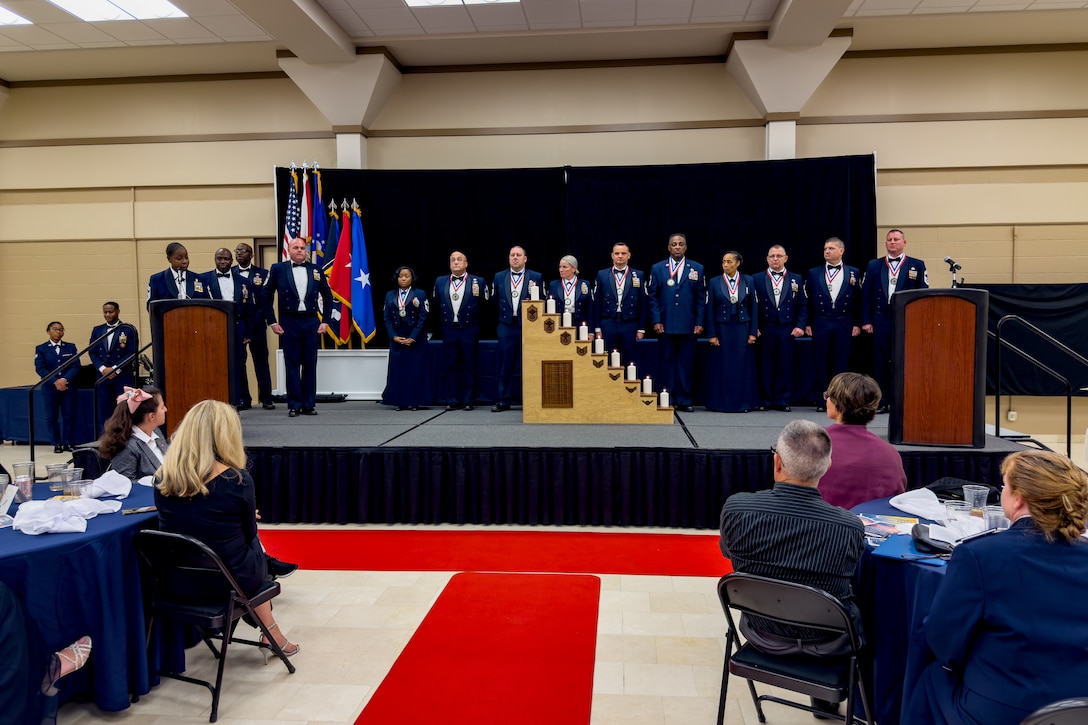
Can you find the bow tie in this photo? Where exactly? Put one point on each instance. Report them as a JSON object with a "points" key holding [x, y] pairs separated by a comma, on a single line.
{"points": [[243, 269], [894, 259], [298, 264], [618, 271], [458, 279], [834, 266], [224, 274]]}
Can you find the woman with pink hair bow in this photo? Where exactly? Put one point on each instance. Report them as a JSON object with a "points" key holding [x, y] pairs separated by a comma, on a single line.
{"points": [[131, 439]]}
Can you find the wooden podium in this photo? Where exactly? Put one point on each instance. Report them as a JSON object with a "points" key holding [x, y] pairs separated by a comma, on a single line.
{"points": [[939, 362], [193, 344], [564, 381]]}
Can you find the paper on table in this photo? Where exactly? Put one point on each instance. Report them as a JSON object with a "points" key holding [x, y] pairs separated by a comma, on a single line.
{"points": [[953, 531], [43, 517]]}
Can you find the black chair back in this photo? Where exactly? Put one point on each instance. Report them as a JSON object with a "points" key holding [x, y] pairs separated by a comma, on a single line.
{"points": [[786, 602]]}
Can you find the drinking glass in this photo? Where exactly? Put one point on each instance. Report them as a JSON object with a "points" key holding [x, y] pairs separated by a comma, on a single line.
{"points": [[976, 496], [995, 518], [55, 475]]}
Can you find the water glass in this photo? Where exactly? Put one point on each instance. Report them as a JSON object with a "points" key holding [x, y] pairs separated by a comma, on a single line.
{"points": [[73, 474], [975, 496], [995, 518], [956, 511], [25, 484], [55, 475], [25, 468], [76, 488]]}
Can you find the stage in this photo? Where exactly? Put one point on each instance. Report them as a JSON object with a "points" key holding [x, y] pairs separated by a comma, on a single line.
{"points": [[363, 462]]}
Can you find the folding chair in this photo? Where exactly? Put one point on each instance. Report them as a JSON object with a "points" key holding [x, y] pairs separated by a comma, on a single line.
{"points": [[179, 565], [1073, 711], [831, 678]]}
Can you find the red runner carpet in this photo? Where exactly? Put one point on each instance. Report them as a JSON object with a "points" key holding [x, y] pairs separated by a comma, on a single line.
{"points": [[507, 551], [497, 648]]}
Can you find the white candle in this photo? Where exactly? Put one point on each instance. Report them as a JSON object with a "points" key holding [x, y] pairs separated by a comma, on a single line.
{"points": [[614, 358], [583, 332], [631, 374], [549, 306], [598, 346], [567, 320], [647, 385], [663, 399], [534, 293]]}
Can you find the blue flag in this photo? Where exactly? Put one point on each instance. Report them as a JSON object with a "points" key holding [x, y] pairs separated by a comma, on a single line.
{"points": [[332, 237], [362, 301], [317, 217]]}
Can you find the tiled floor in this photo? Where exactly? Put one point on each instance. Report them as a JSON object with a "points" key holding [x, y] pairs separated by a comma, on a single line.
{"points": [[659, 653]]}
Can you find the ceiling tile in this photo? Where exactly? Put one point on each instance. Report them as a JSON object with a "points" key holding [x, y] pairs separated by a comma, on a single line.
{"points": [[443, 18], [609, 12], [937, 9], [203, 8], [33, 35], [127, 30], [181, 29], [608, 23], [197, 41], [677, 10], [550, 14], [508, 15], [761, 9], [385, 19], [235, 26], [349, 21], [78, 32]]}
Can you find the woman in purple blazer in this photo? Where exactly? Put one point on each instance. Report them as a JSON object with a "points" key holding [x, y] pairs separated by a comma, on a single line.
{"points": [[863, 465], [1008, 626]]}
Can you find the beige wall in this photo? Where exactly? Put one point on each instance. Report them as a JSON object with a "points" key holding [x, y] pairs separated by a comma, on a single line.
{"points": [[980, 156]]}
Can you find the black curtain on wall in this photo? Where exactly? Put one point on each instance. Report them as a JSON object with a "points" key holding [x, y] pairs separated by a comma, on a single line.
{"points": [[1061, 310], [418, 217]]}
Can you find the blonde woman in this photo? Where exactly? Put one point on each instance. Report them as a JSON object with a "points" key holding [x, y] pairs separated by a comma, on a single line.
{"points": [[1008, 625], [204, 491]]}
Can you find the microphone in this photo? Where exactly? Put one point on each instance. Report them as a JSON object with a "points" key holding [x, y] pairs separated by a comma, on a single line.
{"points": [[952, 266]]}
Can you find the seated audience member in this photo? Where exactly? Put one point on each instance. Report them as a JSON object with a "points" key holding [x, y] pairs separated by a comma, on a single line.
{"points": [[1008, 625], [863, 466], [205, 491], [27, 673], [131, 437], [60, 391], [790, 533]]}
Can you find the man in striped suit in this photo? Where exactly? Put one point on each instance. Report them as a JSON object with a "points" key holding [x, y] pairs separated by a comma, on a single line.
{"points": [[790, 533]]}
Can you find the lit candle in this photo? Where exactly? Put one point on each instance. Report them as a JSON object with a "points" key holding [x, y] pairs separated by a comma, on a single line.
{"points": [[647, 385], [549, 306], [631, 374], [583, 332], [534, 293], [598, 346], [663, 399], [614, 359], [568, 320]]}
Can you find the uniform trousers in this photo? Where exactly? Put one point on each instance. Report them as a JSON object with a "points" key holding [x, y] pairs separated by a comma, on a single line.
{"points": [[459, 353], [831, 342], [776, 363], [299, 343], [509, 343], [883, 344], [621, 335], [58, 403], [677, 359], [939, 698], [258, 347]]}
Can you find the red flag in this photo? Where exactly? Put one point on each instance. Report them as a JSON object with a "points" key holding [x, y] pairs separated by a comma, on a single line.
{"points": [[340, 281]]}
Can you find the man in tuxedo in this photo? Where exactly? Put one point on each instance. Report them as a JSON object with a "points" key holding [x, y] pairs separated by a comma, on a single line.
{"points": [[884, 276], [175, 282], [121, 340], [677, 296], [459, 298], [59, 392], [258, 337], [834, 291], [620, 305], [223, 283], [783, 314], [510, 287], [302, 288]]}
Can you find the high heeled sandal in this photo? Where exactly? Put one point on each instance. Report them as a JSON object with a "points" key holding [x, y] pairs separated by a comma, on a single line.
{"points": [[75, 654], [288, 649]]}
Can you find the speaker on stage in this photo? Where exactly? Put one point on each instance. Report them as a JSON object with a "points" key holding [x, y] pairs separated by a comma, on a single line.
{"points": [[193, 343], [939, 376]]}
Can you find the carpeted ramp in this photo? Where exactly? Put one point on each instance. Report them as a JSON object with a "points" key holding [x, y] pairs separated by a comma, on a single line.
{"points": [[497, 649], [499, 551]]}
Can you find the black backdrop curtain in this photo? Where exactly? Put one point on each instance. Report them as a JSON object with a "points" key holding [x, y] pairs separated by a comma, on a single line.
{"points": [[417, 218], [1061, 310]]}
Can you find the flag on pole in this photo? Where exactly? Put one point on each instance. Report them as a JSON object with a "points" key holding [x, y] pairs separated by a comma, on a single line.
{"points": [[307, 205], [333, 236], [340, 281], [292, 224], [362, 299], [317, 220]]}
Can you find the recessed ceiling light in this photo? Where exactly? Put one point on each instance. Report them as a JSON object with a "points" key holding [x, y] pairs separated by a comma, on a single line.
{"points": [[9, 18], [100, 10]]}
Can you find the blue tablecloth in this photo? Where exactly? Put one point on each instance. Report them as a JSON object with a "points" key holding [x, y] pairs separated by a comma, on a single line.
{"points": [[895, 596], [87, 583], [13, 416]]}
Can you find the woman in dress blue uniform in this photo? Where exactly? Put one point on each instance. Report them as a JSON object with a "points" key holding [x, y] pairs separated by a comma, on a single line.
{"points": [[408, 383], [731, 324], [571, 294], [60, 392]]}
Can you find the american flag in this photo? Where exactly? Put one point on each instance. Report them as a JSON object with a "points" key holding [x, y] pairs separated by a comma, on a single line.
{"points": [[293, 225]]}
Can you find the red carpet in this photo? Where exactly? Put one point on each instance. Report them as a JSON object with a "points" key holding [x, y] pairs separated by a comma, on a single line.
{"points": [[510, 551], [497, 649]]}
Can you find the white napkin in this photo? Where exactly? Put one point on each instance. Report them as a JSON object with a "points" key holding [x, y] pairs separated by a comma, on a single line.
{"points": [[60, 517], [148, 480], [110, 483], [920, 502]]}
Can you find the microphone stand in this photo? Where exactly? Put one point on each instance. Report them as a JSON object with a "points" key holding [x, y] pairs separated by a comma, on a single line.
{"points": [[953, 268]]}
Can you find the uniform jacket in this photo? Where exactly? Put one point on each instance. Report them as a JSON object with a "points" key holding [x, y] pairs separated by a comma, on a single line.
{"points": [[245, 299], [281, 279], [720, 310], [258, 276], [680, 307], [500, 291], [416, 309], [874, 286], [635, 305], [126, 340], [580, 311], [474, 293], [162, 286], [845, 305], [46, 360], [792, 308]]}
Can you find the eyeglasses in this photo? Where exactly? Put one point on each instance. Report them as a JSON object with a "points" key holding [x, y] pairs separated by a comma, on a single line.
{"points": [[827, 395], [774, 450]]}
